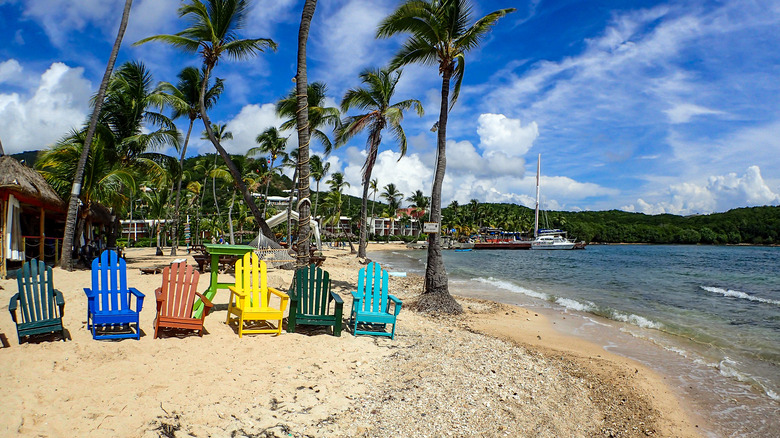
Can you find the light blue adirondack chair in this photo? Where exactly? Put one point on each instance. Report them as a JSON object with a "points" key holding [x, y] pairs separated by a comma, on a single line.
{"points": [[109, 311], [372, 304], [40, 305]]}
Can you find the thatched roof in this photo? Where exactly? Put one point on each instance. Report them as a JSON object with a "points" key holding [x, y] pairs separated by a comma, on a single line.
{"points": [[27, 182]]}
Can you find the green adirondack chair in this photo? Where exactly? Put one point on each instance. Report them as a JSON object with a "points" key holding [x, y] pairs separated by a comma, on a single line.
{"points": [[310, 298], [41, 306]]}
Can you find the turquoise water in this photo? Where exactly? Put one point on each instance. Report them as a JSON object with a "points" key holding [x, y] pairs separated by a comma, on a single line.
{"points": [[713, 311]]}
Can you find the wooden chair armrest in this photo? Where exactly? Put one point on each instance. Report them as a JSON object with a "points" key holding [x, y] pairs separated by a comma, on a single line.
{"points": [[337, 298], [356, 296], [60, 300], [278, 293], [207, 304], [158, 294], [14, 303], [136, 292], [88, 292], [238, 292], [397, 302]]}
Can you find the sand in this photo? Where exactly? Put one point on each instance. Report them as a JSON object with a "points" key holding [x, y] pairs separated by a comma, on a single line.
{"points": [[496, 370]]}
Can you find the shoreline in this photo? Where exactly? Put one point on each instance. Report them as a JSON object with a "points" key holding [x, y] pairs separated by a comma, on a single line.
{"points": [[473, 373]]}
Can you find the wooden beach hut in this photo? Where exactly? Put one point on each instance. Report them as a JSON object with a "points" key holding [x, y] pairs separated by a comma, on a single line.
{"points": [[32, 219]]}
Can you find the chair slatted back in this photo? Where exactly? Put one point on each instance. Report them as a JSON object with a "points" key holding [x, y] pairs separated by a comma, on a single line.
{"points": [[312, 287], [180, 282], [372, 285], [36, 292], [251, 278], [109, 283]]}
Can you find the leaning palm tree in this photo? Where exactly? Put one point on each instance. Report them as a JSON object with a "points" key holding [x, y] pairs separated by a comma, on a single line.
{"points": [[374, 98], [73, 203], [213, 32], [273, 144], [184, 100], [439, 34], [319, 170]]}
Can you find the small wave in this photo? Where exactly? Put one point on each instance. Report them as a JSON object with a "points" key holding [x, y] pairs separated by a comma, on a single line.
{"points": [[741, 295], [636, 320], [575, 305], [513, 288]]}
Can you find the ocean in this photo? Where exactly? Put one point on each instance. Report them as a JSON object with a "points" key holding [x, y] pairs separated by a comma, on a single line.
{"points": [[706, 317]]}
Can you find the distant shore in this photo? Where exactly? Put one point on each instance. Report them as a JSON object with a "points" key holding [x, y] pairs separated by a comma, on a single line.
{"points": [[496, 370]]}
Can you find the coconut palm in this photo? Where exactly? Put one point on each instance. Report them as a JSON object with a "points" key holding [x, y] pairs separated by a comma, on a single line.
{"points": [[393, 198], [337, 184], [319, 170], [273, 144], [213, 32], [374, 185], [439, 34], [375, 98], [319, 116], [73, 203], [220, 132], [184, 100]]}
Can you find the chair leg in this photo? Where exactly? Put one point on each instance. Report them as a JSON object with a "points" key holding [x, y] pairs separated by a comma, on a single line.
{"points": [[241, 327]]}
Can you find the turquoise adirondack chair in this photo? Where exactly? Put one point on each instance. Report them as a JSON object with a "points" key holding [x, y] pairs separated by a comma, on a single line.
{"points": [[372, 304], [41, 306], [109, 300], [310, 298]]}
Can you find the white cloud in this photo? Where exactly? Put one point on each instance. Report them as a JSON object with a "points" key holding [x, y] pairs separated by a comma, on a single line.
{"points": [[408, 174], [499, 133], [247, 125], [10, 71], [720, 193], [58, 21], [683, 113], [59, 102]]}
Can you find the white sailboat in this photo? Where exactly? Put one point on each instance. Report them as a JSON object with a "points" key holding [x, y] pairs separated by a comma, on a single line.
{"points": [[545, 238]]}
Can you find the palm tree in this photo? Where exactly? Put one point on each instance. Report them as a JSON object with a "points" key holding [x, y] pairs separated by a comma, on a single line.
{"points": [[393, 198], [420, 204], [213, 33], [302, 122], [184, 99], [337, 184], [439, 35], [318, 171], [291, 160], [220, 132], [270, 143], [375, 98], [374, 185], [73, 203], [319, 116]]}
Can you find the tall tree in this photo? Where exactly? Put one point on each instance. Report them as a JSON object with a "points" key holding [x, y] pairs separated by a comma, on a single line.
{"points": [[319, 170], [273, 144], [374, 97], [213, 32], [184, 99], [337, 184], [220, 132], [374, 185], [73, 204], [439, 34]]}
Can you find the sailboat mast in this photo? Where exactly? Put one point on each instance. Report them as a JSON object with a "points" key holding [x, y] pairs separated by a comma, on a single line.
{"points": [[536, 222]]}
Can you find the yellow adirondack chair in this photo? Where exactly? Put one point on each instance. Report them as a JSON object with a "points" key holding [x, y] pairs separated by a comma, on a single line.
{"points": [[250, 298]]}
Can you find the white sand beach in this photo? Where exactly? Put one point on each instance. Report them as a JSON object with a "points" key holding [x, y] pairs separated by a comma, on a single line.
{"points": [[496, 370]]}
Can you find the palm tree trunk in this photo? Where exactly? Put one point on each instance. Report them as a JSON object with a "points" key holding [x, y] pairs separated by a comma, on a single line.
{"points": [[316, 200], [73, 204], [214, 188], [230, 217], [265, 198], [175, 244], [436, 295], [289, 208], [250, 202], [302, 120], [363, 217]]}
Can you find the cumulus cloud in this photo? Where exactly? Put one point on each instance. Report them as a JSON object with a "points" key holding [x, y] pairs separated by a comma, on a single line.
{"points": [[408, 174], [720, 193], [247, 125], [10, 71], [499, 133], [59, 101], [58, 21]]}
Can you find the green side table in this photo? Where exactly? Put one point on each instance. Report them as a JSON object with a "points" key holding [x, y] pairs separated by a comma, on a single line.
{"points": [[216, 250]]}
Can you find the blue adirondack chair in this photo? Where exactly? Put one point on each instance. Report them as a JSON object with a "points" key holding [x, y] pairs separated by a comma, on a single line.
{"points": [[109, 312], [41, 306], [372, 304]]}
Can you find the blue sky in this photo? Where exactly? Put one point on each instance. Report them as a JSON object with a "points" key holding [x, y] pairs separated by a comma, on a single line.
{"points": [[642, 106]]}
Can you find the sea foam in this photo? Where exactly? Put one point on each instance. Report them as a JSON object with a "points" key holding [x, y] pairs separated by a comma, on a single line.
{"points": [[575, 305], [513, 288], [741, 295], [636, 320]]}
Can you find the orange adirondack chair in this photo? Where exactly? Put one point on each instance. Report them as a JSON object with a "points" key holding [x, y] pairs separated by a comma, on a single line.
{"points": [[176, 298]]}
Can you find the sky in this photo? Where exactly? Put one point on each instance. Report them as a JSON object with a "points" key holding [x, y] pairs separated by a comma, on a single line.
{"points": [[642, 106]]}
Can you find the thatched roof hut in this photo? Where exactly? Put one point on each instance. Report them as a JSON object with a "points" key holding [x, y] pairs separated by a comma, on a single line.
{"points": [[28, 185]]}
